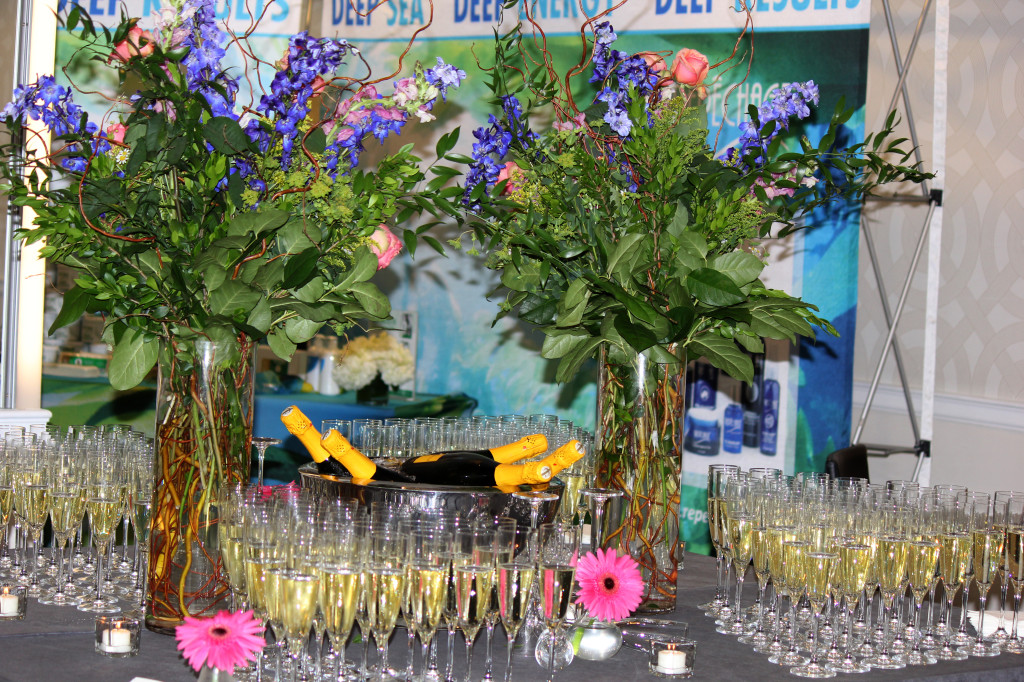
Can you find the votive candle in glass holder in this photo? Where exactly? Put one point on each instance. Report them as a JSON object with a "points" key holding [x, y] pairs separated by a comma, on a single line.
{"points": [[117, 636], [13, 600], [672, 656]]}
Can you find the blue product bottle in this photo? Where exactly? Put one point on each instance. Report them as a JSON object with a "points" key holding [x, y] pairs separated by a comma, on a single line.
{"points": [[769, 417], [732, 432], [702, 433]]}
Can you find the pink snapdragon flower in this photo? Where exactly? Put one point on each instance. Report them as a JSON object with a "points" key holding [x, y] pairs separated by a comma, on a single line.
{"points": [[514, 174]]}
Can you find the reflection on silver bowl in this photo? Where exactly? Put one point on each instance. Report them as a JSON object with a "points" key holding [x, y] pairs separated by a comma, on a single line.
{"points": [[469, 502]]}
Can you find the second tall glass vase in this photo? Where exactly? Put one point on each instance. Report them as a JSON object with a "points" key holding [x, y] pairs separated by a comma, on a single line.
{"points": [[640, 417], [203, 440]]}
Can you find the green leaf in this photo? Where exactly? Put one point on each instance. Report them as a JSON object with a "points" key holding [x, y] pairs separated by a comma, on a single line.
{"points": [[624, 247], [299, 268], [371, 299], [577, 291], [233, 297], [257, 222], [312, 291], [723, 354], [713, 288], [76, 303], [680, 220], [635, 335], [281, 344], [569, 365], [261, 316], [562, 344], [226, 136], [739, 266], [133, 357], [300, 330]]}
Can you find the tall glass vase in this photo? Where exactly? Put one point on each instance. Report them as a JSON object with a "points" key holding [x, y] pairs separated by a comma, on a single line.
{"points": [[640, 417], [203, 438]]}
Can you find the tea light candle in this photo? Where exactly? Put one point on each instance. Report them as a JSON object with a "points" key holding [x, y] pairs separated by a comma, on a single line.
{"points": [[671, 661], [9, 603], [116, 640]]}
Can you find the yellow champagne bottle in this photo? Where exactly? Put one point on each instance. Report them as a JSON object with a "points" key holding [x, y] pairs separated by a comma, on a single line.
{"points": [[302, 428], [361, 466], [525, 447]]}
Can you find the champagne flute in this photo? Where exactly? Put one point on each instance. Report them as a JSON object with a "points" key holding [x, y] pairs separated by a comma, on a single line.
{"points": [[794, 567], [515, 582], [740, 541], [817, 584], [999, 501], [760, 557], [558, 552], [1014, 519], [853, 567], [297, 600], [261, 443], [104, 506], [954, 563], [718, 475], [922, 562], [384, 589], [429, 589], [66, 510], [986, 554]]}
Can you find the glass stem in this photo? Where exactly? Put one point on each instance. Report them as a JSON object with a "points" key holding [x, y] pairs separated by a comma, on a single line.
{"points": [[508, 658], [382, 651], [738, 620], [551, 654], [917, 624], [449, 665], [1002, 603], [469, 657], [412, 652], [1016, 609], [813, 642], [762, 589], [982, 598], [488, 657], [719, 588], [886, 612]]}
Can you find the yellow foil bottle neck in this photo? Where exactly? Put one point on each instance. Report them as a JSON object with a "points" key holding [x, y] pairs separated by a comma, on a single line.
{"points": [[302, 428], [519, 474], [340, 449], [524, 447], [564, 457]]}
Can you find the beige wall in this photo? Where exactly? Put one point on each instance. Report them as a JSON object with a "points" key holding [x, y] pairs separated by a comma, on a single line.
{"points": [[980, 355]]}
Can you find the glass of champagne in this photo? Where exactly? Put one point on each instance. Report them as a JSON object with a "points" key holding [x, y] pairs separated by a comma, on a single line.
{"points": [[817, 584], [558, 548], [853, 566], [954, 565], [1000, 499], [297, 599], [1014, 520], [103, 502], [428, 593], [718, 475], [66, 510], [384, 588], [986, 555], [922, 565], [515, 582], [794, 566], [891, 564], [740, 524]]}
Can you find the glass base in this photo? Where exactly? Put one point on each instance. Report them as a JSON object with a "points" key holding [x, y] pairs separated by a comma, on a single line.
{"points": [[887, 662], [921, 658], [812, 670], [1013, 646], [773, 648], [99, 606], [851, 665], [982, 649], [950, 654], [789, 658], [59, 599]]}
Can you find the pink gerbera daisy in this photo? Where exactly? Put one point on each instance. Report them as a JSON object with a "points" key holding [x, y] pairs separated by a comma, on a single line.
{"points": [[222, 642], [610, 585]]}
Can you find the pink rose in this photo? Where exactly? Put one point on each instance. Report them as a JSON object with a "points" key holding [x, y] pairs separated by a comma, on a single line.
{"points": [[690, 67], [132, 46], [385, 245], [655, 62], [572, 124], [116, 131], [511, 172]]}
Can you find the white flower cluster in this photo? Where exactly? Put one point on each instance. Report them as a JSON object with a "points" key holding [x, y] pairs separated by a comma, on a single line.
{"points": [[363, 357]]}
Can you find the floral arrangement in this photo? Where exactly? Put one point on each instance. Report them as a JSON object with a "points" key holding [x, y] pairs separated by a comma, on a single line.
{"points": [[618, 228], [610, 584], [189, 213], [225, 641], [364, 357]]}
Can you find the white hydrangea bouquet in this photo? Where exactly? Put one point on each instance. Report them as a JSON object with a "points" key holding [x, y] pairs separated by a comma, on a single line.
{"points": [[364, 357]]}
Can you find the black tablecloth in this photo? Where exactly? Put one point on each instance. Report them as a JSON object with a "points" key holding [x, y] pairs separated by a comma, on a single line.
{"points": [[56, 644]]}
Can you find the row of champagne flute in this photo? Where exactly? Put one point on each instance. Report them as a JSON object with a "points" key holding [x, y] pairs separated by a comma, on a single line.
{"points": [[839, 541], [331, 564], [61, 476]]}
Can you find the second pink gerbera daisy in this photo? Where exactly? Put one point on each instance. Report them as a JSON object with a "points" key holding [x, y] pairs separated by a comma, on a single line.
{"points": [[222, 642], [610, 585]]}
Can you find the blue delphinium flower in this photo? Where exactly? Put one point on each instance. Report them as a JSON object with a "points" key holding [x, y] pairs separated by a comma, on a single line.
{"points": [[444, 76], [493, 144], [783, 103], [202, 63], [629, 71], [49, 102]]}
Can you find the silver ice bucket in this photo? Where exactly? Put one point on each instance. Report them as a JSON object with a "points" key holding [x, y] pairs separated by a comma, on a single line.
{"points": [[469, 502]]}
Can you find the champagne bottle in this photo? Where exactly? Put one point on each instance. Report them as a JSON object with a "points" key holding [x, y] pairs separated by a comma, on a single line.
{"points": [[564, 457], [505, 454], [299, 426], [356, 462], [467, 468]]}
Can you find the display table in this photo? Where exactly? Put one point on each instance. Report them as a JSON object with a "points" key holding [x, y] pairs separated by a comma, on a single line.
{"points": [[56, 644]]}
